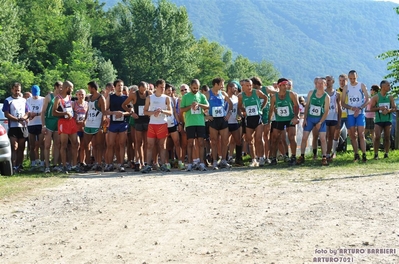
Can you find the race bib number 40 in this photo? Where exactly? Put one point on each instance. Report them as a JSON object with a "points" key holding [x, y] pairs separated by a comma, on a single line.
{"points": [[315, 110]]}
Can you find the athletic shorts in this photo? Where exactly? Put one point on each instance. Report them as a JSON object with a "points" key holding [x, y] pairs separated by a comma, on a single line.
{"points": [[67, 126], [15, 132], [80, 134], [141, 127], [118, 127], [383, 124], [218, 123], [91, 130], [331, 122], [344, 121], [233, 127], [35, 130], [158, 131], [172, 129], [51, 124], [195, 132], [253, 122], [311, 122], [358, 121], [281, 125], [370, 123], [244, 127]]}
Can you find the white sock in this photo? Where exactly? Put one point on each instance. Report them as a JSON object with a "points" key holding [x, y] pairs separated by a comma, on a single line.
{"points": [[334, 146]]}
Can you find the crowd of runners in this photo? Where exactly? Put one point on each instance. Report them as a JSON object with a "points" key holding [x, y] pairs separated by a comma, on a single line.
{"points": [[146, 127]]}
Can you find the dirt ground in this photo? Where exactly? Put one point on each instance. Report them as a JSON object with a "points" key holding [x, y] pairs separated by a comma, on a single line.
{"points": [[237, 216]]}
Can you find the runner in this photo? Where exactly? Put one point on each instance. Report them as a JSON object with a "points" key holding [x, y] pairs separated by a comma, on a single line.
{"points": [[93, 130], [358, 98], [218, 121], [80, 107], [383, 105], [35, 107], [343, 80], [251, 108], [193, 105], [67, 128], [234, 126], [16, 111], [158, 107], [316, 111], [286, 109]]}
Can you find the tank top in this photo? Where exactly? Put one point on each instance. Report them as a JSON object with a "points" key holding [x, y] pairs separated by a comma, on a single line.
{"points": [[139, 109], [333, 111], [284, 108], [251, 104], [80, 110], [115, 104], [94, 115], [355, 97], [49, 110], [383, 101], [233, 116], [35, 106], [266, 109], [17, 108], [158, 102], [344, 114], [216, 104], [65, 105], [171, 119], [316, 105]]}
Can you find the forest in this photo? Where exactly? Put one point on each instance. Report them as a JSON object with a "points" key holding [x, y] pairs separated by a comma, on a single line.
{"points": [[134, 40]]}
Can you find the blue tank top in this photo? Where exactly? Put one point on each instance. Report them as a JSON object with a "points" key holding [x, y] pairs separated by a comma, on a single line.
{"points": [[216, 104], [115, 104]]}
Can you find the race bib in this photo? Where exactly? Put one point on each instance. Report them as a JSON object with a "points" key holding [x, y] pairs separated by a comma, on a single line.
{"points": [[283, 111], [80, 117], [385, 105], [196, 112], [114, 118], [91, 115], [69, 110], [355, 100], [217, 111], [332, 107], [315, 110], [252, 110], [141, 110]]}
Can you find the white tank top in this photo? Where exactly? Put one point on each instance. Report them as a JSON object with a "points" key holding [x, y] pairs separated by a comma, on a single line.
{"points": [[355, 96], [35, 106], [233, 116], [155, 103], [94, 115], [332, 111], [171, 119]]}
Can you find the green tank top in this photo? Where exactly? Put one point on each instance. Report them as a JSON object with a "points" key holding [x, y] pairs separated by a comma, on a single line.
{"points": [[252, 104], [316, 105], [285, 108], [265, 111], [49, 110], [383, 101]]}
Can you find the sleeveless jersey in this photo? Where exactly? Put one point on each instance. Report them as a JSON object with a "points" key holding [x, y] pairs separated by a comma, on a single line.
{"points": [[171, 119], [115, 104], [94, 115], [285, 108], [266, 109], [158, 103], [251, 104], [16, 107], [355, 97], [333, 111], [65, 105], [80, 110], [35, 106], [233, 116], [344, 114], [383, 101], [139, 109], [216, 104], [316, 105]]}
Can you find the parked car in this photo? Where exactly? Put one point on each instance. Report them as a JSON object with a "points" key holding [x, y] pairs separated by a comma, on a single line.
{"points": [[3, 119], [5, 153]]}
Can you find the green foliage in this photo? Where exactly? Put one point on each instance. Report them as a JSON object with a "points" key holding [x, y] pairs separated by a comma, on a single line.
{"points": [[14, 72], [9, 30]]}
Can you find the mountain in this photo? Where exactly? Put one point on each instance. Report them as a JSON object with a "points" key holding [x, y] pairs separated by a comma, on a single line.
{"points": [[302, 38]]}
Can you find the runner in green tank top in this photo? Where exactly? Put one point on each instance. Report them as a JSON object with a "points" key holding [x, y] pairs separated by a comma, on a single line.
{"points": [[383, 105], [50, 132], [316, 112], [285, 107], [249, 104], [267, 90]]}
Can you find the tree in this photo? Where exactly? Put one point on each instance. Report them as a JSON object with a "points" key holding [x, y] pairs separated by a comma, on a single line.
{"points": [[9, 30]]}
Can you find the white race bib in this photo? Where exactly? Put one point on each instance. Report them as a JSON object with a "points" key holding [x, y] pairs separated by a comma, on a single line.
{"points": [[252, 110], [114, 118], [315, 110], [80, 117], [354, 100], [196, 112], [141, 110], [217, 111], [283, 111]]}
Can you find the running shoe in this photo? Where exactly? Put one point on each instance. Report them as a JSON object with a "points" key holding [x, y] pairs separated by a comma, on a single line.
{"points": [[215, 165], [202, 167], [47, 170], [292, 161], [181, 166], [146, 169], [300, 160], [122, 168], [357, 157], [324, 161], [273, 162], [189, 167], [254, 163], [386, 156], [164, 168], [224, 165], [261, 161], [364, 157]]}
